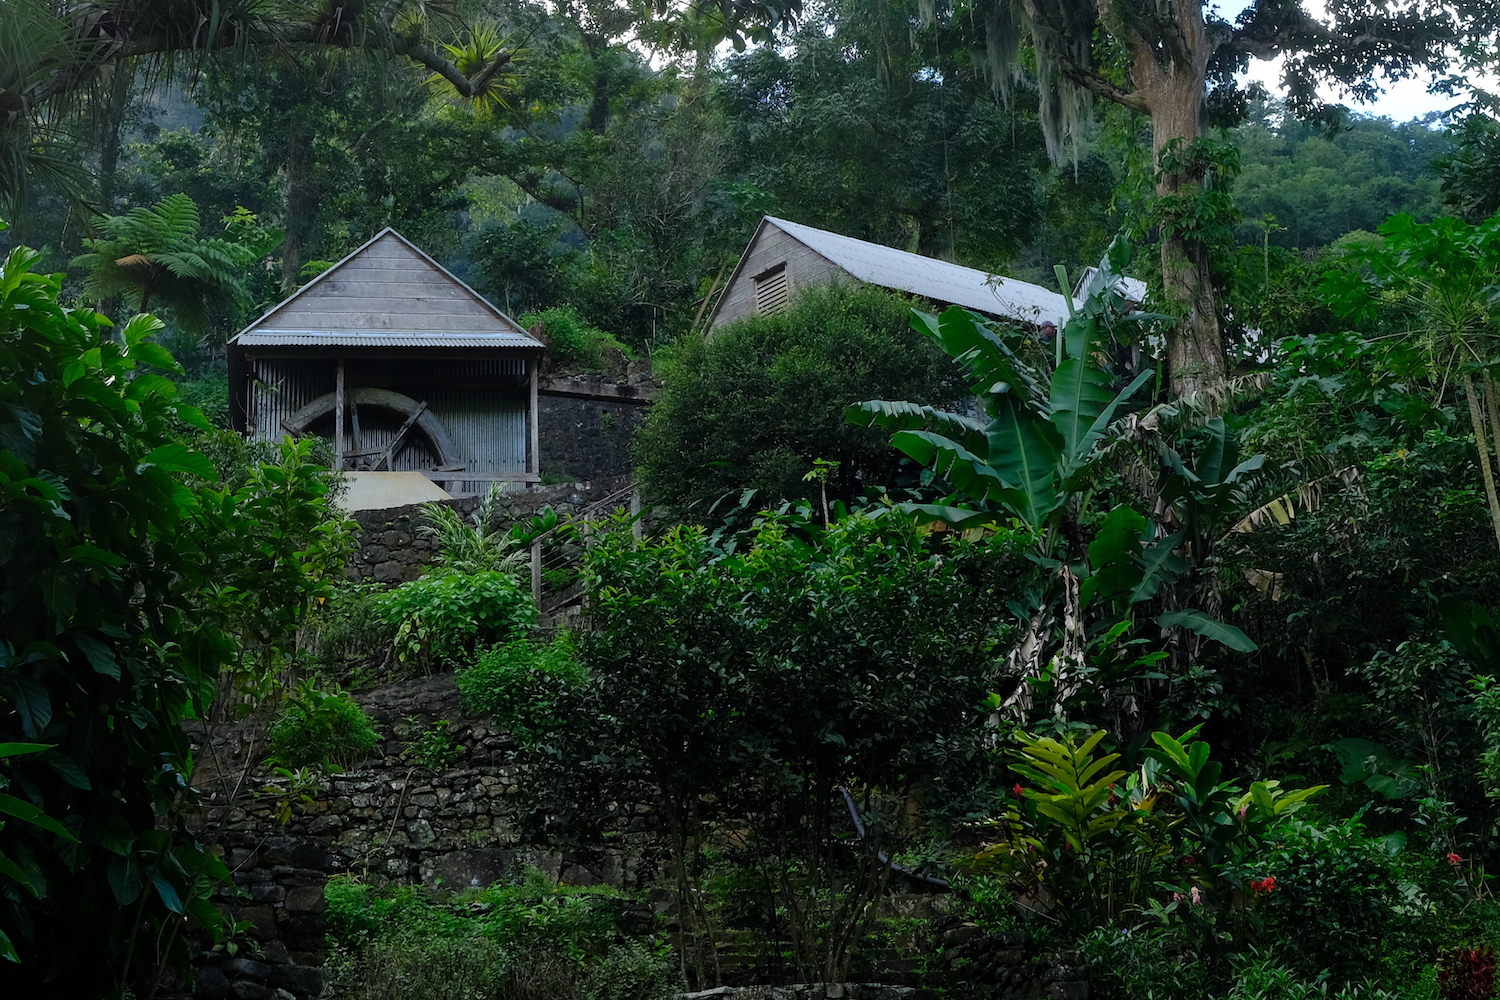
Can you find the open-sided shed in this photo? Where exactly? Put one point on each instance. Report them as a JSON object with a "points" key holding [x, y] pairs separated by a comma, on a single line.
{"points": [[401, 365]]}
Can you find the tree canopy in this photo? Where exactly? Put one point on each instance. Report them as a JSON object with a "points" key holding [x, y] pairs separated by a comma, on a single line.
{"points": [[1176, 64]]}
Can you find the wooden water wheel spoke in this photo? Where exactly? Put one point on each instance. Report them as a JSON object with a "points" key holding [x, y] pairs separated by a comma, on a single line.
{"points": [[394, 448], [415, 414]]}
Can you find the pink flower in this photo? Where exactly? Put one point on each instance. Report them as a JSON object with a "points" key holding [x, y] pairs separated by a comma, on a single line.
{"points": [[1197, 895], [1178, 897], [1018, 789], [1454, 859]]}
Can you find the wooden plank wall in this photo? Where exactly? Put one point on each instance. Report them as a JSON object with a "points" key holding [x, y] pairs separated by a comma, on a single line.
{"points": [[387, 288], [805, 268]]}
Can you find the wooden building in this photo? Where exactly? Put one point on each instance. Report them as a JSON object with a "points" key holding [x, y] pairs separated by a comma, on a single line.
{"points": [[785, 257], [401, 365]]}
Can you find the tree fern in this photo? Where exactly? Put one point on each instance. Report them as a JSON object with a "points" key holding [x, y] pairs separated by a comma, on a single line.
{"points": [[154, 254]]}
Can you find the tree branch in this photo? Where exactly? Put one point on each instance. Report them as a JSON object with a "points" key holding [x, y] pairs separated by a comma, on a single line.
{"points": [[1100, 85], [1082, 76], [109, 37], [420, 52]]}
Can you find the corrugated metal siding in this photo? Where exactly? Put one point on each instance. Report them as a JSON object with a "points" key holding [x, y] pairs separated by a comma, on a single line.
{"points": [[283, 386], [426, 370], [488, 429], [377, 428]]}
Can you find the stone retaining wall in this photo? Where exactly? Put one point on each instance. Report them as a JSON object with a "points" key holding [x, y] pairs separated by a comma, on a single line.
{"points": [[589, 439], [391, 548], [391, 820], [388, 820]]}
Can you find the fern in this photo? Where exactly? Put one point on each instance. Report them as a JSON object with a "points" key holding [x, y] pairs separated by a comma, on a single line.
{"points": [[475, 545], [155, 255]]}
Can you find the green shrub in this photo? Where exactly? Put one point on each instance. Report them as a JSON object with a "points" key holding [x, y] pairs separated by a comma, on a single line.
{"points": [[1343, 898], [515, 682], [475, 544], [322, 727], [531, 941], [759, 402], [1266, 978], [442, 618], [1128, 964], [433, 747], [576, 345], [347, 635]]}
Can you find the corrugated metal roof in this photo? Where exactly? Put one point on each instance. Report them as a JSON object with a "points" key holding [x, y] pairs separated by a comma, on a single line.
{"points": [[934, 279], [388, 293], [1133, 289], [378, 338]]}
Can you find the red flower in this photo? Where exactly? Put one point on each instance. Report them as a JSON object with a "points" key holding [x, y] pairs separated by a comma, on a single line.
{"points": [[1018, 789], [1454, 859], [1267, 884]]}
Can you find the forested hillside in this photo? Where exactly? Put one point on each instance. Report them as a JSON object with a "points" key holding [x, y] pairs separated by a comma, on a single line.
{"points": [[1149, 653]]}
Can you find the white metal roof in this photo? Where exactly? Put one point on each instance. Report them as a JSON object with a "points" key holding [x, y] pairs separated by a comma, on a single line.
{"points": [[934, 279], [1133, 289], [388, 293]]}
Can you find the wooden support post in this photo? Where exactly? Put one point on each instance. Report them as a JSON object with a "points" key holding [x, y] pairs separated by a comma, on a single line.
{"points": [[536, 572], [340, 444], [533, 459]]}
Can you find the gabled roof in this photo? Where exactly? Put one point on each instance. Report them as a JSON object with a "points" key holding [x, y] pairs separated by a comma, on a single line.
{"points": [[387, 293], [938, 280]]}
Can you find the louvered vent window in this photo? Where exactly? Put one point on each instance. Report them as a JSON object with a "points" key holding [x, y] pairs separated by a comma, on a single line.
{"points": [[771, 292]]}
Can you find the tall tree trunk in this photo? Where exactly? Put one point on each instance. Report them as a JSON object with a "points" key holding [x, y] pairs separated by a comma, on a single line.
{"points": [[1481, 442], [120, 79], [301, 201], [1171, 77]]}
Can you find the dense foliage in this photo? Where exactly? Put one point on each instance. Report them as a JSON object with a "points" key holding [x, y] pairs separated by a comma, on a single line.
{"points": [[1181, 660], [530, 940], [756, 403], [131, 578], [754, 681], [320, 727]]}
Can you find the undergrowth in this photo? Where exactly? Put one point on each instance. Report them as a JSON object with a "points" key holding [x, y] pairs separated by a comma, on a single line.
{"points": [[529, 940]]}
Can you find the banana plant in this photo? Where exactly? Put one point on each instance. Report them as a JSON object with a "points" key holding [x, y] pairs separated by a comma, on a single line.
{"points": [[1035, 451], [1041, 435]]}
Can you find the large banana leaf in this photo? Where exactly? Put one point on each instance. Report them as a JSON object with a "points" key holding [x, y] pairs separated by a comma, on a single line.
{"points": [[1080, 392], [1096, 431], [989, 363], [1113, 556], [1159, 564], [1027, 452], [966, 471], [1209, 627], [898, 415]]}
